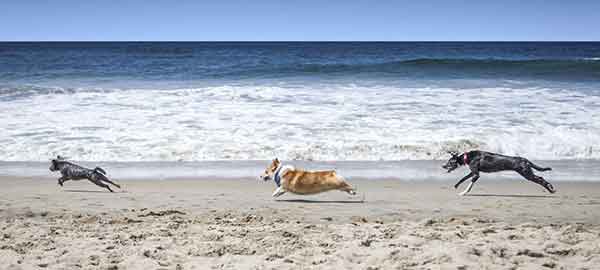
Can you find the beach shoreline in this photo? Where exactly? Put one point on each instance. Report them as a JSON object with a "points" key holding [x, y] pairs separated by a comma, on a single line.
{"points": [[405, 170], [235, 224]]}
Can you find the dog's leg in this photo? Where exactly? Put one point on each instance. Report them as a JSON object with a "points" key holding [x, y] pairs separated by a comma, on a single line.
{"points": [[62, 179], [529, 175], [105, 179], [100, 184], [470, 186], [463, 179], [547, 185], [111, 182], [278, 192], [345, 187]]}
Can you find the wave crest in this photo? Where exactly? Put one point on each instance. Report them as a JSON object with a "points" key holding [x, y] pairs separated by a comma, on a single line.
{"points": [[552, 69], [304, 123]]}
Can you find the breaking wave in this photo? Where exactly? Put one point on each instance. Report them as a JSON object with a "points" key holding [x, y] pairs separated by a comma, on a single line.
{"points": [[313, 122]]}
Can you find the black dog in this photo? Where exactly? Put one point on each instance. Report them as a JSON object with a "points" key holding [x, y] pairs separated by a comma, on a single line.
{"points": [[480, 161], [72, 171]]}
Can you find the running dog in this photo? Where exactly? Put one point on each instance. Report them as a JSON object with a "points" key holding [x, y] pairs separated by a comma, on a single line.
{"points": [[289, 179], [70, 171], [480, 161]]}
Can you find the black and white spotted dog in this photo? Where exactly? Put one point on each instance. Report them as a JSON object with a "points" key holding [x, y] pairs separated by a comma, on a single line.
{"points": [[70, 171], [480, 161]]}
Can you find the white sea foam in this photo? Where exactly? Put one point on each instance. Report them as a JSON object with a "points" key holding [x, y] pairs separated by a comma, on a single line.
{"points": [[312, 122]]}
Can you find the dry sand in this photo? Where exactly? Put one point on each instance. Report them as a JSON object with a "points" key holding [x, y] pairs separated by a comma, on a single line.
{"points": [[235, 224]]}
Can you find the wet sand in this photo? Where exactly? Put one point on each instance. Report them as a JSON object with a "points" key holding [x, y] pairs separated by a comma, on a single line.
{"points": [[235, 224]]}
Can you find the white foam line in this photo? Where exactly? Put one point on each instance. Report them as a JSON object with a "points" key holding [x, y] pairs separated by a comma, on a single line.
{"points": [[314, 122]]}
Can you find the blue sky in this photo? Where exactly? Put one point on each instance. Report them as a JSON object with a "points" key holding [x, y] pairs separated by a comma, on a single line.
{"points": [[226, 20]]}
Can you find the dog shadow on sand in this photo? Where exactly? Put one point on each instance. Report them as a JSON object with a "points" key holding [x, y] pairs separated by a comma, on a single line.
{"points": [[510, 195], [318, 201], [91, 191]]}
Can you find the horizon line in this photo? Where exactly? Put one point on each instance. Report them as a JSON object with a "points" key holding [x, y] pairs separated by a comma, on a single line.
{"points": [[291, 41]]}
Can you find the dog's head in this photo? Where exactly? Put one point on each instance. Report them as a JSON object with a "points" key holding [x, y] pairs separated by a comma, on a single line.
{"points": [[270, 170], [54, 163], [453, 162]]}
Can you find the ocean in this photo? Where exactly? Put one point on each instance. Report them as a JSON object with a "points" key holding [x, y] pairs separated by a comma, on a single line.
{"points": [[345, 102]]}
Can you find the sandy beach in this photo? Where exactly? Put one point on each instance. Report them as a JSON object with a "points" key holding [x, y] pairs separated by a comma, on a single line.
{"points": [[235, 224]]}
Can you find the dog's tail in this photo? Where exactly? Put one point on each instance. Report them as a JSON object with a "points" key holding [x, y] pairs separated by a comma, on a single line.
{"points": [[538, 168]]}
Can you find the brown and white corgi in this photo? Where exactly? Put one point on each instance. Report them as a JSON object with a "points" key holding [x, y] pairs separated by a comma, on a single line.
{"points": [[289, 179]]}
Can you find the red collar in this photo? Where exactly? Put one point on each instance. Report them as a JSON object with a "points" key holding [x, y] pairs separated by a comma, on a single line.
{"points": [[465, 159]]}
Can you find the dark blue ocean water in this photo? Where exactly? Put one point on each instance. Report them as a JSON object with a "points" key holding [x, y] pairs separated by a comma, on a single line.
{"points": [[185, 62], [188, 101]]}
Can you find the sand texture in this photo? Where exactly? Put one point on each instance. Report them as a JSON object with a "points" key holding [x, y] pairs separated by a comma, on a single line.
{"points": [[235, 224]]}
